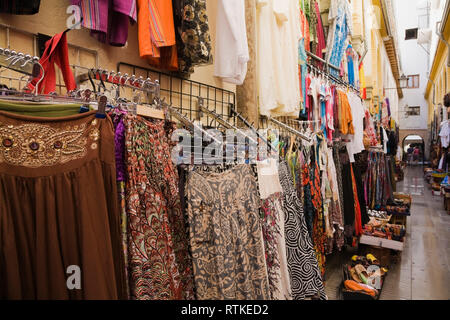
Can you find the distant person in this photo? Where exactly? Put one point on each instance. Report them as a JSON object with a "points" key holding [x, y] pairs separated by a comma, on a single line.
{"points": [[416, 154], [409, 155]]}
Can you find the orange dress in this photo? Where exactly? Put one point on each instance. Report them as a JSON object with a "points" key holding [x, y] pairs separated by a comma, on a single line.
{"points": [[156, 32], [346, 125]]}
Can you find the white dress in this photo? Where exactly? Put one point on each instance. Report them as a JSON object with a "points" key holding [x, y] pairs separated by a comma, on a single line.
{"points": [[278, 29], [356, 145], [231, 54], [269, 184], [445, 134]]}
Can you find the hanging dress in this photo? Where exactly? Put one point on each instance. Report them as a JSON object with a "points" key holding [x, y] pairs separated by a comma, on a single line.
{"points": [[226, 235], [160, 265], [306, 279], [58, 207]]}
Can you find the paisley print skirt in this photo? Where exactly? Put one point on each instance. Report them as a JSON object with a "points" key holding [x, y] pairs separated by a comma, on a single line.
{"points": [[160, 266], [225, 235]]}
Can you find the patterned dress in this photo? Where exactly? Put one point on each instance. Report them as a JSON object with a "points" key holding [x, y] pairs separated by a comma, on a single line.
{"points": [[160, 265], [225, 235], [319, 236], [192, 33], [306, 280]]}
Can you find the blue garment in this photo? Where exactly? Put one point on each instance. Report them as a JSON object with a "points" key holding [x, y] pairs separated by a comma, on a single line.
{"points": [[341, 31], [303, 70], [350, 66], [323, 115]]}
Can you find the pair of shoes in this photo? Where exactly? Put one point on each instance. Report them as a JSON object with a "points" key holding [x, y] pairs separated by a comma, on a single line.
{"points": [[362, 273], [360, 260], [372, 259]]}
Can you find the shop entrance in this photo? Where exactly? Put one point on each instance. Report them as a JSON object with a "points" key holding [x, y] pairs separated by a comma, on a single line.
{"points": [[413, 147]]}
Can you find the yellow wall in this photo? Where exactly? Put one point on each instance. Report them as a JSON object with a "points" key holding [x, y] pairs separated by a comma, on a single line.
{"points": [[52, 19], [440, 75]]}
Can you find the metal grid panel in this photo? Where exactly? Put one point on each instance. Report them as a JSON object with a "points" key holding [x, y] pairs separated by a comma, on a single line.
{"points": [[184, 94]]}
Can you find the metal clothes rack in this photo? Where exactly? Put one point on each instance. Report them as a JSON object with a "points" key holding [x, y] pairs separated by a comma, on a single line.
{"points": [[288, 128], [20, 62], [327, 74], [221, 121], [186, 92], [253, 129]]}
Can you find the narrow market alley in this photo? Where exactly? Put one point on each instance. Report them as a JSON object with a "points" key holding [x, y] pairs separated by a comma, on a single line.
{"points": [[423, 271]]}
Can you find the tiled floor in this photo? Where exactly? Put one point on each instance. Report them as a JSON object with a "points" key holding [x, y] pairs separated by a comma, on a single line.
{"points": [[423, 271]]}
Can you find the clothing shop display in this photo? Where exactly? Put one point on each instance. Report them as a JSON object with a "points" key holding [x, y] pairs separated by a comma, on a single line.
{"points": [[108, 20], [125, 174]]}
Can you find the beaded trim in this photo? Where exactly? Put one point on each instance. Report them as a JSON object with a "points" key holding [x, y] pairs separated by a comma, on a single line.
{"points": [[36, 145]]}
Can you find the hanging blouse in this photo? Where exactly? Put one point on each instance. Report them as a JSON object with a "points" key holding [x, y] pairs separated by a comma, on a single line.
{"points": [[329, 112], [231, 42], [56, 52], [272, 216], [96, 15], [346, 120], [302, 70], [278, 32], [362, 80], [351, 70], [320, 33], [337, 35], [192, 34], [305, 30], [156, 32]]}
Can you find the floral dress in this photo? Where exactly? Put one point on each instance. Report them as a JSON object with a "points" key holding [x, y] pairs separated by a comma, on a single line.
{"points": [[192, 33]]}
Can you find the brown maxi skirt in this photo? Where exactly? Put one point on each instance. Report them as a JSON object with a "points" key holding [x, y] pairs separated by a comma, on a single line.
{"points": [[58, 208]]}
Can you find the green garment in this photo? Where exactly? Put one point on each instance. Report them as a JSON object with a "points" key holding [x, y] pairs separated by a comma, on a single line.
{"points": [[40, 110]]}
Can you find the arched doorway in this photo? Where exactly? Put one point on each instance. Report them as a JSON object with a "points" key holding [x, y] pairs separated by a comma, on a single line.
{"points": [[413, 147]]}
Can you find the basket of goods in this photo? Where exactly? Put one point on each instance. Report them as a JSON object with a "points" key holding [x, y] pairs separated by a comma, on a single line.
{"points": [[363, 278]]}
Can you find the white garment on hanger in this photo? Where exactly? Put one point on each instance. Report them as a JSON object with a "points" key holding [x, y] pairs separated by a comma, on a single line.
{"points": [[445, 134], [385, 140], [356, 144], [278, 34], [269, 184], [268, 179], [441, 163], [231, 54]]}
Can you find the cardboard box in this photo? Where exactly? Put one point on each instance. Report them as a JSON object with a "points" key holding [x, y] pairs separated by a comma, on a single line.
{"points": [[380, 242]]}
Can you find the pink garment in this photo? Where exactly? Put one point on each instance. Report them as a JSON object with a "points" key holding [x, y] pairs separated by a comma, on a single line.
{"points": [[329, 113], [370, 130], [307, 99], [320, 35], [108, 20]]}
